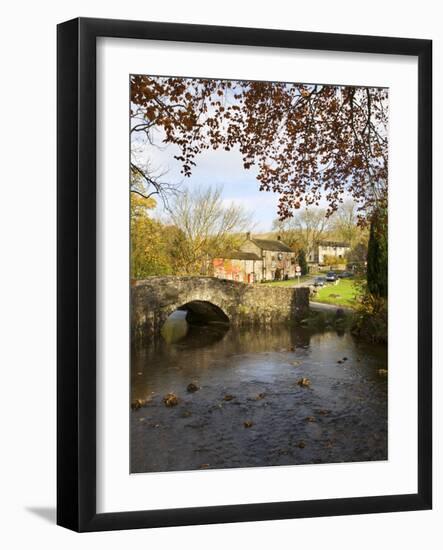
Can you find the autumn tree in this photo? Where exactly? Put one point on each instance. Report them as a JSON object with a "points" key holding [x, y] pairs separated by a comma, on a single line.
{"points": [[307, 142], [206, 228], [344, 224], [288, 234], [358, 253], [149, 255], [304, 229], [331, 260]]}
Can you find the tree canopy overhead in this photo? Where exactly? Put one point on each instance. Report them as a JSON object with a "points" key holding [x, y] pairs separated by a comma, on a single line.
{"points": [[307, 142]]}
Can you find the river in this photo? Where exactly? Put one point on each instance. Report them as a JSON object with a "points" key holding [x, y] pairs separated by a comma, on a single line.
{"points": [[249, 409]]}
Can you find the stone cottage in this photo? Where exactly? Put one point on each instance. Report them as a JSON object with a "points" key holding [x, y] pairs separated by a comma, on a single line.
{"points": [[245, 267], [328, 248], [257, 260]]}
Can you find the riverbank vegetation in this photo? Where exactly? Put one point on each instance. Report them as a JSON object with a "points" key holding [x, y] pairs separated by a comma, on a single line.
{"points": [[371, 320]]}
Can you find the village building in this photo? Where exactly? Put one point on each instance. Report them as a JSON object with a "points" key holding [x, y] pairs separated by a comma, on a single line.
{"points": [[245, 267], [257, 260], [323, 249]]}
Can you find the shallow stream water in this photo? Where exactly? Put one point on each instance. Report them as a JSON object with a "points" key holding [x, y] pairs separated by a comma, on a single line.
{"points": [[250, 376]]}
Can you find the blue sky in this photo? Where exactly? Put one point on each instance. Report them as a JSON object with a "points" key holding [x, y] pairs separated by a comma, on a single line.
{"points": [[222, 168]]}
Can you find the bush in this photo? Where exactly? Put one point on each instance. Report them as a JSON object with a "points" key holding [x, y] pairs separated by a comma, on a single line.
{"points": [[371, 319], [330, 260]]}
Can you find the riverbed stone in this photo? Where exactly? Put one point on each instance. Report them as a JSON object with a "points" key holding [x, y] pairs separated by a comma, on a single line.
{"points": [[170, 400], [228, 397], [192, 387]]}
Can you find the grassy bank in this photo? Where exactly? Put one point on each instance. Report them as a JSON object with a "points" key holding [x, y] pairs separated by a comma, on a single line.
{"points": [[345, 293]]}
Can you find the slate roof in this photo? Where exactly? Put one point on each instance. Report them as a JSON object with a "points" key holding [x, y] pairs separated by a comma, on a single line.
{"points": [[269, 244], [239, 255]]}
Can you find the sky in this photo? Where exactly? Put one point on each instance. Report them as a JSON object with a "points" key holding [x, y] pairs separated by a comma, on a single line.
{"points": [[220, 168]]}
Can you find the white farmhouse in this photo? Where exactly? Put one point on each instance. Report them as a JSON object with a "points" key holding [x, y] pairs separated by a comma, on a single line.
{"points": [[328, 248]]}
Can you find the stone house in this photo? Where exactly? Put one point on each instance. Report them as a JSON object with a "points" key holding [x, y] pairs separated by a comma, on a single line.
{"points": [[245, 267], [328, 248], [257, 260]]}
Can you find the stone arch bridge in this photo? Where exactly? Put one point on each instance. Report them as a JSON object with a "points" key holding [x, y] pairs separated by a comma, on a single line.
{"points": [[212, 299]]}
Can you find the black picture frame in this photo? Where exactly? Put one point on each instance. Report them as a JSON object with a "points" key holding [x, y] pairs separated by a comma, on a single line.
{"points": [[76, 295]]}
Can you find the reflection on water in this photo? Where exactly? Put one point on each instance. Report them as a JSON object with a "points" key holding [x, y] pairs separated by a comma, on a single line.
{"points": [[175, 327], [341, 417]]}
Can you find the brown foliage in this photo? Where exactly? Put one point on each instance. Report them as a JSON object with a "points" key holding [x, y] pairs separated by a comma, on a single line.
{"points": [[307, 141]]}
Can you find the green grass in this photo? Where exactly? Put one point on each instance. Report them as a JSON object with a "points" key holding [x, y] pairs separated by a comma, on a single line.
{"points": [[345, 293]]}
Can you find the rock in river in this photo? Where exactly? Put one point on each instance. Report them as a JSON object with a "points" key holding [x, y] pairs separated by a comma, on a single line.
{"points": [[228, 397], [192, 387], [137, 404], [170, 400], [304, 382]]}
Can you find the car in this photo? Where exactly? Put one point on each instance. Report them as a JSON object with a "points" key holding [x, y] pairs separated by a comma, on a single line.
{"points": [[344, 275], [331, 277], [319, 281]]}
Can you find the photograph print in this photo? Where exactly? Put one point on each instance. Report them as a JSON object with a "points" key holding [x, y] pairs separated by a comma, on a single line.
{"points": [[258, 273]]}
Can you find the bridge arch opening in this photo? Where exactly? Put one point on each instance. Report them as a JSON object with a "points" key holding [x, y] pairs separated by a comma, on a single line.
{"points": [[193, 317], [200, 312]]}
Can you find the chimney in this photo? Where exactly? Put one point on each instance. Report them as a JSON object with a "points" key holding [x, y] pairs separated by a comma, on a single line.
{"points": [[248, 236]]}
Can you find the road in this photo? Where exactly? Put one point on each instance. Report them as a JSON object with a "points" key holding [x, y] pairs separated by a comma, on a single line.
{"points": [[318, 306]]}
